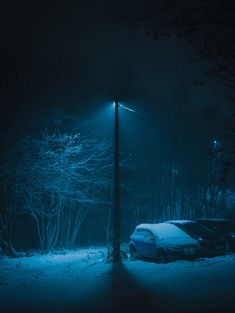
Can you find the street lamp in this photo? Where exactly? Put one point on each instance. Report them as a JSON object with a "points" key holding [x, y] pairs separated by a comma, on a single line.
{"points": [[116, 185]]}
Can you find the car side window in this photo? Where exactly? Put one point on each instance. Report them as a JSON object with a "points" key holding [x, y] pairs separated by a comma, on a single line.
{"points": [[148, 234], [144, 233], [140, 232]]}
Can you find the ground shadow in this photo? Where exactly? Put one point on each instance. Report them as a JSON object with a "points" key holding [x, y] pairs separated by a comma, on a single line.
{"points": [[128, 295], [123, 294]]}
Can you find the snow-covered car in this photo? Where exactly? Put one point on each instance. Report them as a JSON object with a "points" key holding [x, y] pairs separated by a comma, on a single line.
{"points": [[163, 242], [224, 227], [211, 243]]}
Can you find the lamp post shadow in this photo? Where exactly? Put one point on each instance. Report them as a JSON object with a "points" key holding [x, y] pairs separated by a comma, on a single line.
{"points": [[127, 295]]}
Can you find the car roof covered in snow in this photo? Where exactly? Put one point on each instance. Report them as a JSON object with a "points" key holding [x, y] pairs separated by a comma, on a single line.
{"points": [[214, 219], [181, 221], [164, 230]]}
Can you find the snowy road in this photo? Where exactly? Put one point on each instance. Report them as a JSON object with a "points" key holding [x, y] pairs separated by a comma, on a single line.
{"points": [[82, 282]]}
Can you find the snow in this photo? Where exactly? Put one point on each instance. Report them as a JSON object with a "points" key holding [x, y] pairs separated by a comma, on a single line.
{"points": [[165, 230], [181, 221], [215, 219], [82, 281]]}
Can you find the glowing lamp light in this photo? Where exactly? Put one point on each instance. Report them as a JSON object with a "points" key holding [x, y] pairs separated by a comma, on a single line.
{"points": [[124, 107]]}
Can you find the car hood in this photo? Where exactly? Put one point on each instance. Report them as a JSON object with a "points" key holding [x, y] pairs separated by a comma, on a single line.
{"points": [[178, 241]]}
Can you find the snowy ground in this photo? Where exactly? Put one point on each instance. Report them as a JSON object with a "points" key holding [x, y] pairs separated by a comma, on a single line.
{"points": [[82, 281]]}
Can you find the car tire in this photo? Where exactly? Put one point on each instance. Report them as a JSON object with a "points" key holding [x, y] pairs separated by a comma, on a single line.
{"points": [[162, 256], [133, 252]]}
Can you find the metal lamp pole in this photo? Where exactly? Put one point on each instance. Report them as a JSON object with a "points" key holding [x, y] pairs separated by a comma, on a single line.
{"points": [[116, 189]]}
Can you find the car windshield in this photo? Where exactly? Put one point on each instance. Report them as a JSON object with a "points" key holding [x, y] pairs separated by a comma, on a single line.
{"points": [[193, 229]]}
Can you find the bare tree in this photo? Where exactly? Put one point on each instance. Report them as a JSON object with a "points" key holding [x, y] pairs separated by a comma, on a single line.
{"points": [[7, 222], [59, 176], [207, 25]]}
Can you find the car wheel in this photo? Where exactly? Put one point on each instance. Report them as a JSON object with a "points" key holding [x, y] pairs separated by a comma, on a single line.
{"points": [[133, 252], [162, 256]]}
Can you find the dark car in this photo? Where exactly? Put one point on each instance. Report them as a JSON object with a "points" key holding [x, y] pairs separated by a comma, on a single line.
{"points": [[224, 227], [211, 242], [163, 242]]}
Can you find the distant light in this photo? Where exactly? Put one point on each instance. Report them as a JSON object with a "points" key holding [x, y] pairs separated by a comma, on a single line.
{"points": [[215, 142]]}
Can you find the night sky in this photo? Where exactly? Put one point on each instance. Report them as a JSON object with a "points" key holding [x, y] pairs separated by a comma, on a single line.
{"points": [[70, 54]]}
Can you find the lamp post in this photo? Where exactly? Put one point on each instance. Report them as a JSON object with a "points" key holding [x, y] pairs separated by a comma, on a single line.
{"points": [[116, 189], [116, 184]]}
